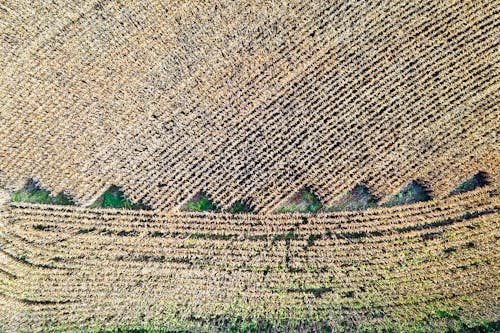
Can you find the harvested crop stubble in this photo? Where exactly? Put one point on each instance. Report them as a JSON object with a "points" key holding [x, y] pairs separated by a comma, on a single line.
{"points": [[249, 165], [247, 100], [76, 267]]}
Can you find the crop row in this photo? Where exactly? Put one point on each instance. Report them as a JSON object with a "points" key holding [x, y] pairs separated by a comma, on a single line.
{"points": [[345, 227], [312, 111], [53, 271]]}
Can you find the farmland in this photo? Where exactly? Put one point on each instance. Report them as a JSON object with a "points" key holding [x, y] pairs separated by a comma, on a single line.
{"points": [[305, 93], [431, 264], [249, 166]]}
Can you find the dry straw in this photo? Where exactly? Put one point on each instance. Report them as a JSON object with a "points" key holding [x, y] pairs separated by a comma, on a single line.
{"points": [[248, 100], [85, 268]]}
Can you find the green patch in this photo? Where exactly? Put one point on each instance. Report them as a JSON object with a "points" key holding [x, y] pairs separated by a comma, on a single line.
{"points": [[201, 203], [239, 325], [445, 314], [32, 193], [413, 192], [303, 201], [358, 198], [242, 206], [286, 237], [262, 237], [478, 180], [115, 198], [136, 330]]}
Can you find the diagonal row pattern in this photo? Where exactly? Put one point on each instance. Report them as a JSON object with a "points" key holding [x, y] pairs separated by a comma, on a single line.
{"points": [[247, 100]]}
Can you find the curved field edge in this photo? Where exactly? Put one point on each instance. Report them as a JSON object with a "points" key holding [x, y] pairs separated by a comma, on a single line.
{"points": [[423, 263]]}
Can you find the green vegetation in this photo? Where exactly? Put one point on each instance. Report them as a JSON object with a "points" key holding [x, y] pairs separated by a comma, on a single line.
{"points": [[413, 192], [201, 203], [241, 326], [303, 201], [115, 198], [242, 206], [32, 193], [287, 237], [136, 330], [441, 313], [358, 198], [478, 180]]}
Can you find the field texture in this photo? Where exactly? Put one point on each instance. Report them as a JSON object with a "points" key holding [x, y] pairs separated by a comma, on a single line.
{"points": [[347, 153], [248, 100], [431, 266]]}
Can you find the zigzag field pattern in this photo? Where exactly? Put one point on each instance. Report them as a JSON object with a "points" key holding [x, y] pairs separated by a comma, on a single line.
{"points": [[248, 100], [386, 267], [269, 105]]}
